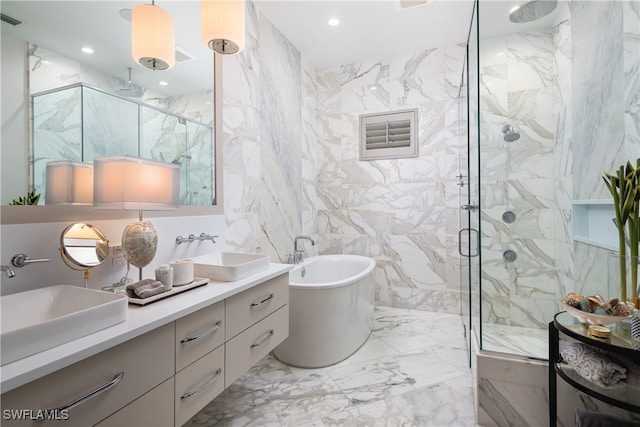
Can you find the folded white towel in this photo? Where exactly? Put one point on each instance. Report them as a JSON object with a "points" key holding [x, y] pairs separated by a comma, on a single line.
{"points": [[594, 365]]}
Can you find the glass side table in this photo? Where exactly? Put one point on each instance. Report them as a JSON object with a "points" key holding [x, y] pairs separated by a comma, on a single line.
{"points": [[567, 325]]}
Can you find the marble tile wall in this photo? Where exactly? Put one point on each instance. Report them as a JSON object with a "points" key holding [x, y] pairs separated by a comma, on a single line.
{"points": [[516, 87], [268, 136], [403, 212], [606, 116]]}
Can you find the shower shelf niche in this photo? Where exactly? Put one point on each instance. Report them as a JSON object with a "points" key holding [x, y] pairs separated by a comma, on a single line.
{"points": [[592, 223]]}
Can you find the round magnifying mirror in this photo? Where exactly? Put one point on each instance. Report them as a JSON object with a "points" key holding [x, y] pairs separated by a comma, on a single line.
{"points": [[84, 245]]}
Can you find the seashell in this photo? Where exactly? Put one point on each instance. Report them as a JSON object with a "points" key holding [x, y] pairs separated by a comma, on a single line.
{"points": [[572, 299], [621, 309], [583, 305], [594, 302]]}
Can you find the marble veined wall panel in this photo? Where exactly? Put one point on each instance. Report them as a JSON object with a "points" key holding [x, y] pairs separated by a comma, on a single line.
{"points": [[268, 142], [598, 87], [402, 212], [517, 83]]}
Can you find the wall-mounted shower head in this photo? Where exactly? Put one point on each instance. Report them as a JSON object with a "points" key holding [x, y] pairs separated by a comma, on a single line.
{"points": [[532, 11], [510, 134]]}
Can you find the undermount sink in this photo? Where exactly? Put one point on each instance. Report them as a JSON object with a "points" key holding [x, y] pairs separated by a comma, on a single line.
{"points": [[229, 266], [34, 321]]}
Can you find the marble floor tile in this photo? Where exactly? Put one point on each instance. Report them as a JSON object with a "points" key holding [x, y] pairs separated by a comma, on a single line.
{"points": [[413, 371]]}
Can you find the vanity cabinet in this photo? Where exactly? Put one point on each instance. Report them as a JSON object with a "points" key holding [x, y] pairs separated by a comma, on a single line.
{"points": [[167, 375], [199, 333], [122, 373], [146, 410]]}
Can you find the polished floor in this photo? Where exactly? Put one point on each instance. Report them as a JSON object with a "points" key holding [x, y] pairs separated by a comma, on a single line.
{"points": [[413, 371]]}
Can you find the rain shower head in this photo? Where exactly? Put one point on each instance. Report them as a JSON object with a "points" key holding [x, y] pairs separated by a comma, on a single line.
{"points": [[131, 91], [532, 11], [510, 134]]}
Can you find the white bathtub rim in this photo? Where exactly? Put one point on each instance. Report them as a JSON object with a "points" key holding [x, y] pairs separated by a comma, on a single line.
{"points": [[371, 264]]}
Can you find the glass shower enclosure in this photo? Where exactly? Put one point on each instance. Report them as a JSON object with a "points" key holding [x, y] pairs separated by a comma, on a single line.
{"points": [[554, 104]]}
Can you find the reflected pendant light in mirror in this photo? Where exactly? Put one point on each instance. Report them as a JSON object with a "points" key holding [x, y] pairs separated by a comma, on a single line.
{"points": [[152, 37], [222, 25]]}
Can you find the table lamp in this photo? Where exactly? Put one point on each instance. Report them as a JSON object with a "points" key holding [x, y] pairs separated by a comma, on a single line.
{"points": [[134, 183]]}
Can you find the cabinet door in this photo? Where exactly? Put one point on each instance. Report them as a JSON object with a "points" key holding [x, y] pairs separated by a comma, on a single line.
{"points": [[246, 349], [122, 374], [151, 409], [198, 334], [254, 304], [198, 384]]}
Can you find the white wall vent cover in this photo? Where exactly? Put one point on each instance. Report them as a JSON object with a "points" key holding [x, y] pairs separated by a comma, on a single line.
{"points": [[391, 135]]}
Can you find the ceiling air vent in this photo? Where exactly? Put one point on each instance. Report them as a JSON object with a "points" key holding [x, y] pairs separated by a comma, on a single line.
{"points": [[182, 55], [390, 135], [406, 4], [9, 20]]}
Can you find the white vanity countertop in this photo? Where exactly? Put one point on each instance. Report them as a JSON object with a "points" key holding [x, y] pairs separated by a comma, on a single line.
{"points": [[140, 319]]}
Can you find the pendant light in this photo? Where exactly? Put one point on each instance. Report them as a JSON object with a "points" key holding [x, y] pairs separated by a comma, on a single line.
{"points": [[152, 37], [222, 25]]}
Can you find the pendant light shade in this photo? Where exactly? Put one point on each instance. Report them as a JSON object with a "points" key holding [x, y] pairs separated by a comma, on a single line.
{"points": [[152, 37], [222, 25]]}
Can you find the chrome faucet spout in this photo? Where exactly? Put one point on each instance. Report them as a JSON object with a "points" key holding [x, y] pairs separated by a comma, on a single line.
{"points": [[8, 271], [298, 255], [295, 242]]}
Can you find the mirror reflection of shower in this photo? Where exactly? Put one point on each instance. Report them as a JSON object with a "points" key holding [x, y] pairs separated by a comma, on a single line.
{"points": [[509, 133]]}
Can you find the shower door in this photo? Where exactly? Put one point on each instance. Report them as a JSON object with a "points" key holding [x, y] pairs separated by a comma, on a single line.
{"points": [[468, 182]]}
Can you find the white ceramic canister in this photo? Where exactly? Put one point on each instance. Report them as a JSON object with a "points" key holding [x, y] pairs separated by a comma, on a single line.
{"points": [[182, 271], [164, 274]]}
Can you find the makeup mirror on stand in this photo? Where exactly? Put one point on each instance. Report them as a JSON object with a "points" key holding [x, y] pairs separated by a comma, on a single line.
{"points": [[83, 245]]}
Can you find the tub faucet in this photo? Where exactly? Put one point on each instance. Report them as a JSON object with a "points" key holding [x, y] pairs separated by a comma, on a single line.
{"points": [[8, 270], [298, 255]]}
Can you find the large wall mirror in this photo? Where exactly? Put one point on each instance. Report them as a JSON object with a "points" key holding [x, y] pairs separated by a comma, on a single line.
{"points": [[61, 103]]}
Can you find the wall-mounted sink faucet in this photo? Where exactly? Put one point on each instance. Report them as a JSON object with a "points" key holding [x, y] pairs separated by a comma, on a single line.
{"points": [[8, 270], [298, 255], [22, 260]]}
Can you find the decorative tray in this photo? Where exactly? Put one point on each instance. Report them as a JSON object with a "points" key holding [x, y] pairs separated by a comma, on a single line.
{"points": [[197, 281], [591, 318]]}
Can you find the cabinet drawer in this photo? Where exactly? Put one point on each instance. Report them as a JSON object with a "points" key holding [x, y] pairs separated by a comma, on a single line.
{"points": [[246, 349], [198, 334], [198, 384], [144, 362], [252, 305], [151, 409]]}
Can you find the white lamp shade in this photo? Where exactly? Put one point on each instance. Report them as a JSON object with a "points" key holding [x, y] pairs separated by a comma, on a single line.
{"points": [[153, 37], [69, 183], [222, 25], [134, 183]]}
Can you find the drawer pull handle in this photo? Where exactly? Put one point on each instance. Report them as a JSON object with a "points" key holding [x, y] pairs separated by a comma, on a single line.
{"points": [[203, 333], [203, 386], [256, 304], [114, 382], [263, 340]]}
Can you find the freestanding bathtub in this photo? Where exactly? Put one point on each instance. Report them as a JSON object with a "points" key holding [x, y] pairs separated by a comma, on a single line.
{"points": [[330, 310]]}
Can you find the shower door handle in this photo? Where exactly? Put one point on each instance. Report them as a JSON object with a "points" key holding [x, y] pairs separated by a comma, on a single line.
{"points": [[469, 231], [471, 208]]}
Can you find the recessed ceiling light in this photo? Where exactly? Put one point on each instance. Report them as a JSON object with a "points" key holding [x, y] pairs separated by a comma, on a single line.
{"points": [[87, 49], [163, 83], [334, 22], [374, 88]]}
